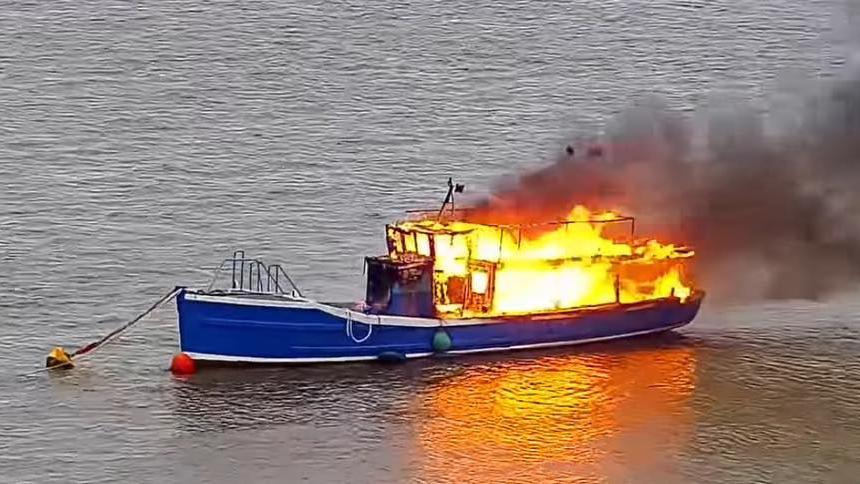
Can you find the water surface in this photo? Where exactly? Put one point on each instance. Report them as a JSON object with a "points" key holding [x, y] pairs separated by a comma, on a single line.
{"points": [[141, 143]]}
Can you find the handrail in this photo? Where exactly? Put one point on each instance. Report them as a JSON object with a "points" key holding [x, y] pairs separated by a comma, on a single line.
{"points": [[261, 278]]}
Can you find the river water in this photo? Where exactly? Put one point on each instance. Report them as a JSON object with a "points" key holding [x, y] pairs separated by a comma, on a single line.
{"points": [[141, 142]]}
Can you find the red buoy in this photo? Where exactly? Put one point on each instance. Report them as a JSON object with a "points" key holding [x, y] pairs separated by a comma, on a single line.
{"points": [[182, 364]]}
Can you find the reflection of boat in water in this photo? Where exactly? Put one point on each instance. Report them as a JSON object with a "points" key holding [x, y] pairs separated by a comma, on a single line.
{"points": [[567, 418], [553, 417], [449, 285]]}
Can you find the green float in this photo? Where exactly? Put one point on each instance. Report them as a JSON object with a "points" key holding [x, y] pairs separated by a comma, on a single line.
{"points": [[441, 341]]}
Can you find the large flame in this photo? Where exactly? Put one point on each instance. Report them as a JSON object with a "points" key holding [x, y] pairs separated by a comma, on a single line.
{"points": [[485, 269]]}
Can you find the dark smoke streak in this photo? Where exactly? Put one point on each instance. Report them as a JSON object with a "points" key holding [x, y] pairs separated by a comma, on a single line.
{"points": [[770, 215]]}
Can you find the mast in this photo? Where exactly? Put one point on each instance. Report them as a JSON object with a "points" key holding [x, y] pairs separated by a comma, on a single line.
{"points": [[449, 197]]}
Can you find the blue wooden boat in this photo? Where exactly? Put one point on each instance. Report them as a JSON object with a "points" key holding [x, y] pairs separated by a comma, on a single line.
{"points": [[252, 328], [411, 310]]}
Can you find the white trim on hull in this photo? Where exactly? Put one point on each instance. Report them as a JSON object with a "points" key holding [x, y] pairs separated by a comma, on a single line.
{"points": [[381, 319], [357, 316], [254, 359], [343, 359], [565, 343]]}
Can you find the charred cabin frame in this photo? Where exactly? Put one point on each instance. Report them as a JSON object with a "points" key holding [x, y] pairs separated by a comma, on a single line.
{"points": [[398, 287], [405, 282]]}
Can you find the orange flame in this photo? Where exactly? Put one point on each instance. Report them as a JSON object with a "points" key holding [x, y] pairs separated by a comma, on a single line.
{"points": [[485, 269]]}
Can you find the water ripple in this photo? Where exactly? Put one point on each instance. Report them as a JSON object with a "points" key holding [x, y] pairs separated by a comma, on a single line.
{"points": [[140, 142]]}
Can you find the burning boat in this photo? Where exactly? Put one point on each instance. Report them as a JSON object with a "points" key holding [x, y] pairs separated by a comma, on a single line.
{"points": [[451, 285]]}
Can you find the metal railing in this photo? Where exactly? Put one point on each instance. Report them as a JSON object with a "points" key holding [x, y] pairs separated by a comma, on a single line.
{"points": [[252, 275]]}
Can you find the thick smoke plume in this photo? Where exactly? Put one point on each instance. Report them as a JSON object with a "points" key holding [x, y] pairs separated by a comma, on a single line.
{"points": [[770, 202]]}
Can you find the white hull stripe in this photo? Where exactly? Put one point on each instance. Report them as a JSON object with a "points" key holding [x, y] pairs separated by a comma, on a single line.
{"points": [[254, 359], [356, 316], [337, 359], [566, 343], [343, 313]]}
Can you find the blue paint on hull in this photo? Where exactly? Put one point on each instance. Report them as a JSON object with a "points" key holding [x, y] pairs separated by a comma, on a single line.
{"points": [[231, 329]]}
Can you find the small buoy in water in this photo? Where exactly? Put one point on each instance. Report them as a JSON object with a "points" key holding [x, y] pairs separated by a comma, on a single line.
{"points": [[182, 364], [58, 358], [441, 341]]}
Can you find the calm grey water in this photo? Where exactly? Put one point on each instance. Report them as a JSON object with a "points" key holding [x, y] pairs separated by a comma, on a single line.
{"points": [[140, 142]]}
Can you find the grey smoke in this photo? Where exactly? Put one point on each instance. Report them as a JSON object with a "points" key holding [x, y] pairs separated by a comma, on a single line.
{"points": [[769, 200]]}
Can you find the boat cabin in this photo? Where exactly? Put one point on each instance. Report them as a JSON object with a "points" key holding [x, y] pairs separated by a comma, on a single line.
{"points": [[441, 264], [456, 269]]}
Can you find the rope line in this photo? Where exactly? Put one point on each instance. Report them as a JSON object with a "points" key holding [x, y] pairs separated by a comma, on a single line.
{"points": [[91, 347], [351, 333], [114, 333]]}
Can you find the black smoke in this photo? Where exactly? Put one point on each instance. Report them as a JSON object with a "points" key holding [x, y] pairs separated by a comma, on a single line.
{"points": [[770, 200]]}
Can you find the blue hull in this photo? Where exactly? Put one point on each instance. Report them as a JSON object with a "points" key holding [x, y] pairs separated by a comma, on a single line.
{"points": [[243, 328]]}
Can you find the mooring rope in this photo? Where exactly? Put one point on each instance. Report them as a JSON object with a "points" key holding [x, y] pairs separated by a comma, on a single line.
{"points": [[349, 329], [91, 347]]}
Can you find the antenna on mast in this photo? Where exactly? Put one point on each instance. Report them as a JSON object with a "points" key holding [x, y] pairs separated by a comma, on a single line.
{"points": [[449, 198]]}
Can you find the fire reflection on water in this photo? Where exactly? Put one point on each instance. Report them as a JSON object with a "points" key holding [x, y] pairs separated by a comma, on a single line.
{"points": [[572, 418]]}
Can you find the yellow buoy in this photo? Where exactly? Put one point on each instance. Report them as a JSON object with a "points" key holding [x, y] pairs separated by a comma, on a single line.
{"points": [[58, 358]]}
